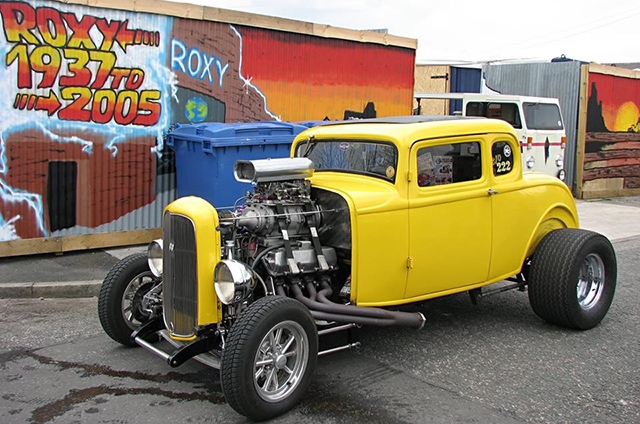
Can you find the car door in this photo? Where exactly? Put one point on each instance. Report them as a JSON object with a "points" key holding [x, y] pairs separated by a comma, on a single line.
{"points": [[513, 212], [449, 215]]}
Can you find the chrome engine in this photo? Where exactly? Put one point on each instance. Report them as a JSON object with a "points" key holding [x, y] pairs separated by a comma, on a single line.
{"points": [[278, 226], [299, 239]]}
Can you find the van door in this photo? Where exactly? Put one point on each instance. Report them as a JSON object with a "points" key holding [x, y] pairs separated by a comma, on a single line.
{"points": [[546, 131]]}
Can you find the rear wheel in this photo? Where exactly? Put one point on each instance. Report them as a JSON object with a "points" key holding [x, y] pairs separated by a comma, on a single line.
{"points": [[269, 357], [120, 299], [572, 278]]}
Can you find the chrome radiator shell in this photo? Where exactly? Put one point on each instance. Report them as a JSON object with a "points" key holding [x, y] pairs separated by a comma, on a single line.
{"points": [[180, 279]]}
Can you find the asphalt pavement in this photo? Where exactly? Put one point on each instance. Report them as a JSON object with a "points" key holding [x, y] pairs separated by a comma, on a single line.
{"points": [[79, 274]]}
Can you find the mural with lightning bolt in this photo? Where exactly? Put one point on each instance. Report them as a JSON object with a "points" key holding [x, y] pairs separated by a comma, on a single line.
{"points": [[88, 95]]}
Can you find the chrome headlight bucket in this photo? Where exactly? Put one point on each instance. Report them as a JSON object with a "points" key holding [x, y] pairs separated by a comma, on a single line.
{"points": [[154, 257], [233, 281], [560, 161], [531, 162]]}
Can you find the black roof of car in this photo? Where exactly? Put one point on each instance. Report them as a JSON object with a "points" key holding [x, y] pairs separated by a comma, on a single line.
{"points": [[411, 119]]}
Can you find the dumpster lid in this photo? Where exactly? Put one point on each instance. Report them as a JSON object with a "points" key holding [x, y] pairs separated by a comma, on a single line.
{"points": [[220, 130]]}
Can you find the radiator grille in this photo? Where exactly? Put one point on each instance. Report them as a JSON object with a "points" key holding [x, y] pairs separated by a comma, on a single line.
{"points": [[180, 279]]}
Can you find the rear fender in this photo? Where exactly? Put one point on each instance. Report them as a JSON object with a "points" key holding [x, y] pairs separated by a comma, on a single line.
{"points": [[558, 216]]}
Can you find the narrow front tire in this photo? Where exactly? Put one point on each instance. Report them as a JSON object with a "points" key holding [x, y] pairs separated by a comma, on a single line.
{"points": [[269, 357], [120, 299]]}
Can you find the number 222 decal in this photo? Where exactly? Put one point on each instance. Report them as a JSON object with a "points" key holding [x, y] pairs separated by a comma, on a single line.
{"points": [[502, 166]]}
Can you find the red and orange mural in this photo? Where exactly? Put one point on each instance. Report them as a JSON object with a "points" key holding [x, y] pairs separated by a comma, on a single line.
{"points": [[612, 144], [89, 94], [325, 73]]}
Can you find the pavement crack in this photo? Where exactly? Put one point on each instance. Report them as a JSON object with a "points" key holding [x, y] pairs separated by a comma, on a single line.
{"points": [[12, 356], [207, 377], [75, 397]]}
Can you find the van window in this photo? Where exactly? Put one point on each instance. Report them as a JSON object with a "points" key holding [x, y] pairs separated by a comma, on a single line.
{"points": [[506, 111], [449, 163], [542, 116]]}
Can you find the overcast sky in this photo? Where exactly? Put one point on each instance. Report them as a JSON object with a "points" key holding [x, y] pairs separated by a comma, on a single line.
{"points": [[478, 31]]}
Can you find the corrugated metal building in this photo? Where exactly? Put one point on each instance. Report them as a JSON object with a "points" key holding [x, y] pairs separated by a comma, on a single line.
{"points": [[91, 88], [560, 80], [601, 109]]}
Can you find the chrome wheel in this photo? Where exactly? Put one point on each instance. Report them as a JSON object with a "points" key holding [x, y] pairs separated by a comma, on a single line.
{"points": [[269, 357], [591, 281], [131, 305], [121, 297], [281, 361]]}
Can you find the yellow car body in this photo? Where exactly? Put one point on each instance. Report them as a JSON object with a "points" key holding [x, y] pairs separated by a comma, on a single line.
{"points": [[413, 243]]}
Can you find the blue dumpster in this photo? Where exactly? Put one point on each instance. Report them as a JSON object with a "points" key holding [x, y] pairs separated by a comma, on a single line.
{"points": [[205, 154]]}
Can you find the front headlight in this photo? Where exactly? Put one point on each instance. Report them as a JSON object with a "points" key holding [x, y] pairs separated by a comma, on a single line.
{"points": [[154, 257], [560, 161], [562, 174], [531, 162], [233, 281]]}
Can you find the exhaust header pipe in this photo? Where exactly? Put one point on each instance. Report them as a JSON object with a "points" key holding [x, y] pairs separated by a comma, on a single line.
{"points": [[324, 309]]}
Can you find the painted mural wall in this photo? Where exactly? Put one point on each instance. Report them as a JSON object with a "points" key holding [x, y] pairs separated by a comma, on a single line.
{"points": [[612, 142], [88, 96]]}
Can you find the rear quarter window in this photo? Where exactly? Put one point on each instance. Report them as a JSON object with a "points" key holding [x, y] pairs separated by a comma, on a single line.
{"points": [[502, 157]]}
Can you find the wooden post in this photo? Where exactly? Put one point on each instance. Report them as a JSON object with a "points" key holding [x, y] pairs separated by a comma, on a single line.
{"points": [[582, 128]]}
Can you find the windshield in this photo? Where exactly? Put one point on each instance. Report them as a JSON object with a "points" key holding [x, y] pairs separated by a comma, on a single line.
{"points": [[542, 116], [374, 158]]}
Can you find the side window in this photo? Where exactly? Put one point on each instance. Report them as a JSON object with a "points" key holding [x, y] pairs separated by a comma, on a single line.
{"points": [[475, 109], [449, 163], [502, 158], [506, 111]]}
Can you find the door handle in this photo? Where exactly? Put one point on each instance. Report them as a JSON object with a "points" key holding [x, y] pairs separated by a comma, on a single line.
{"points": [[492, 192]]}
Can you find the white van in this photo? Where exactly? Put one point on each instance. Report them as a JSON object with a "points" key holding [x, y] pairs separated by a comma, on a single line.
{"points": [[537, 121]]}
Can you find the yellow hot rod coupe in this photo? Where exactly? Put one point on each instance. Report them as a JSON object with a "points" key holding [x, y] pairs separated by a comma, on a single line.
{"points": [[365, 218]]}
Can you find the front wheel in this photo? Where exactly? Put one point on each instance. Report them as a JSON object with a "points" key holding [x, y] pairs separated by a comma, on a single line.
{"points": [[269, 357], [573, 278], [120, 299]]}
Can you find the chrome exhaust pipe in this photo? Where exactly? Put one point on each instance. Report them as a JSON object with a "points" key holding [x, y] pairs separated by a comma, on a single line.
{"points": [[324, 309], [376, 322]]}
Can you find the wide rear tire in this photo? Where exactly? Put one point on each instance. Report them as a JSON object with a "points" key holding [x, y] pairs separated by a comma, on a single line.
{"points": [[572, 278], [269, 357]]}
